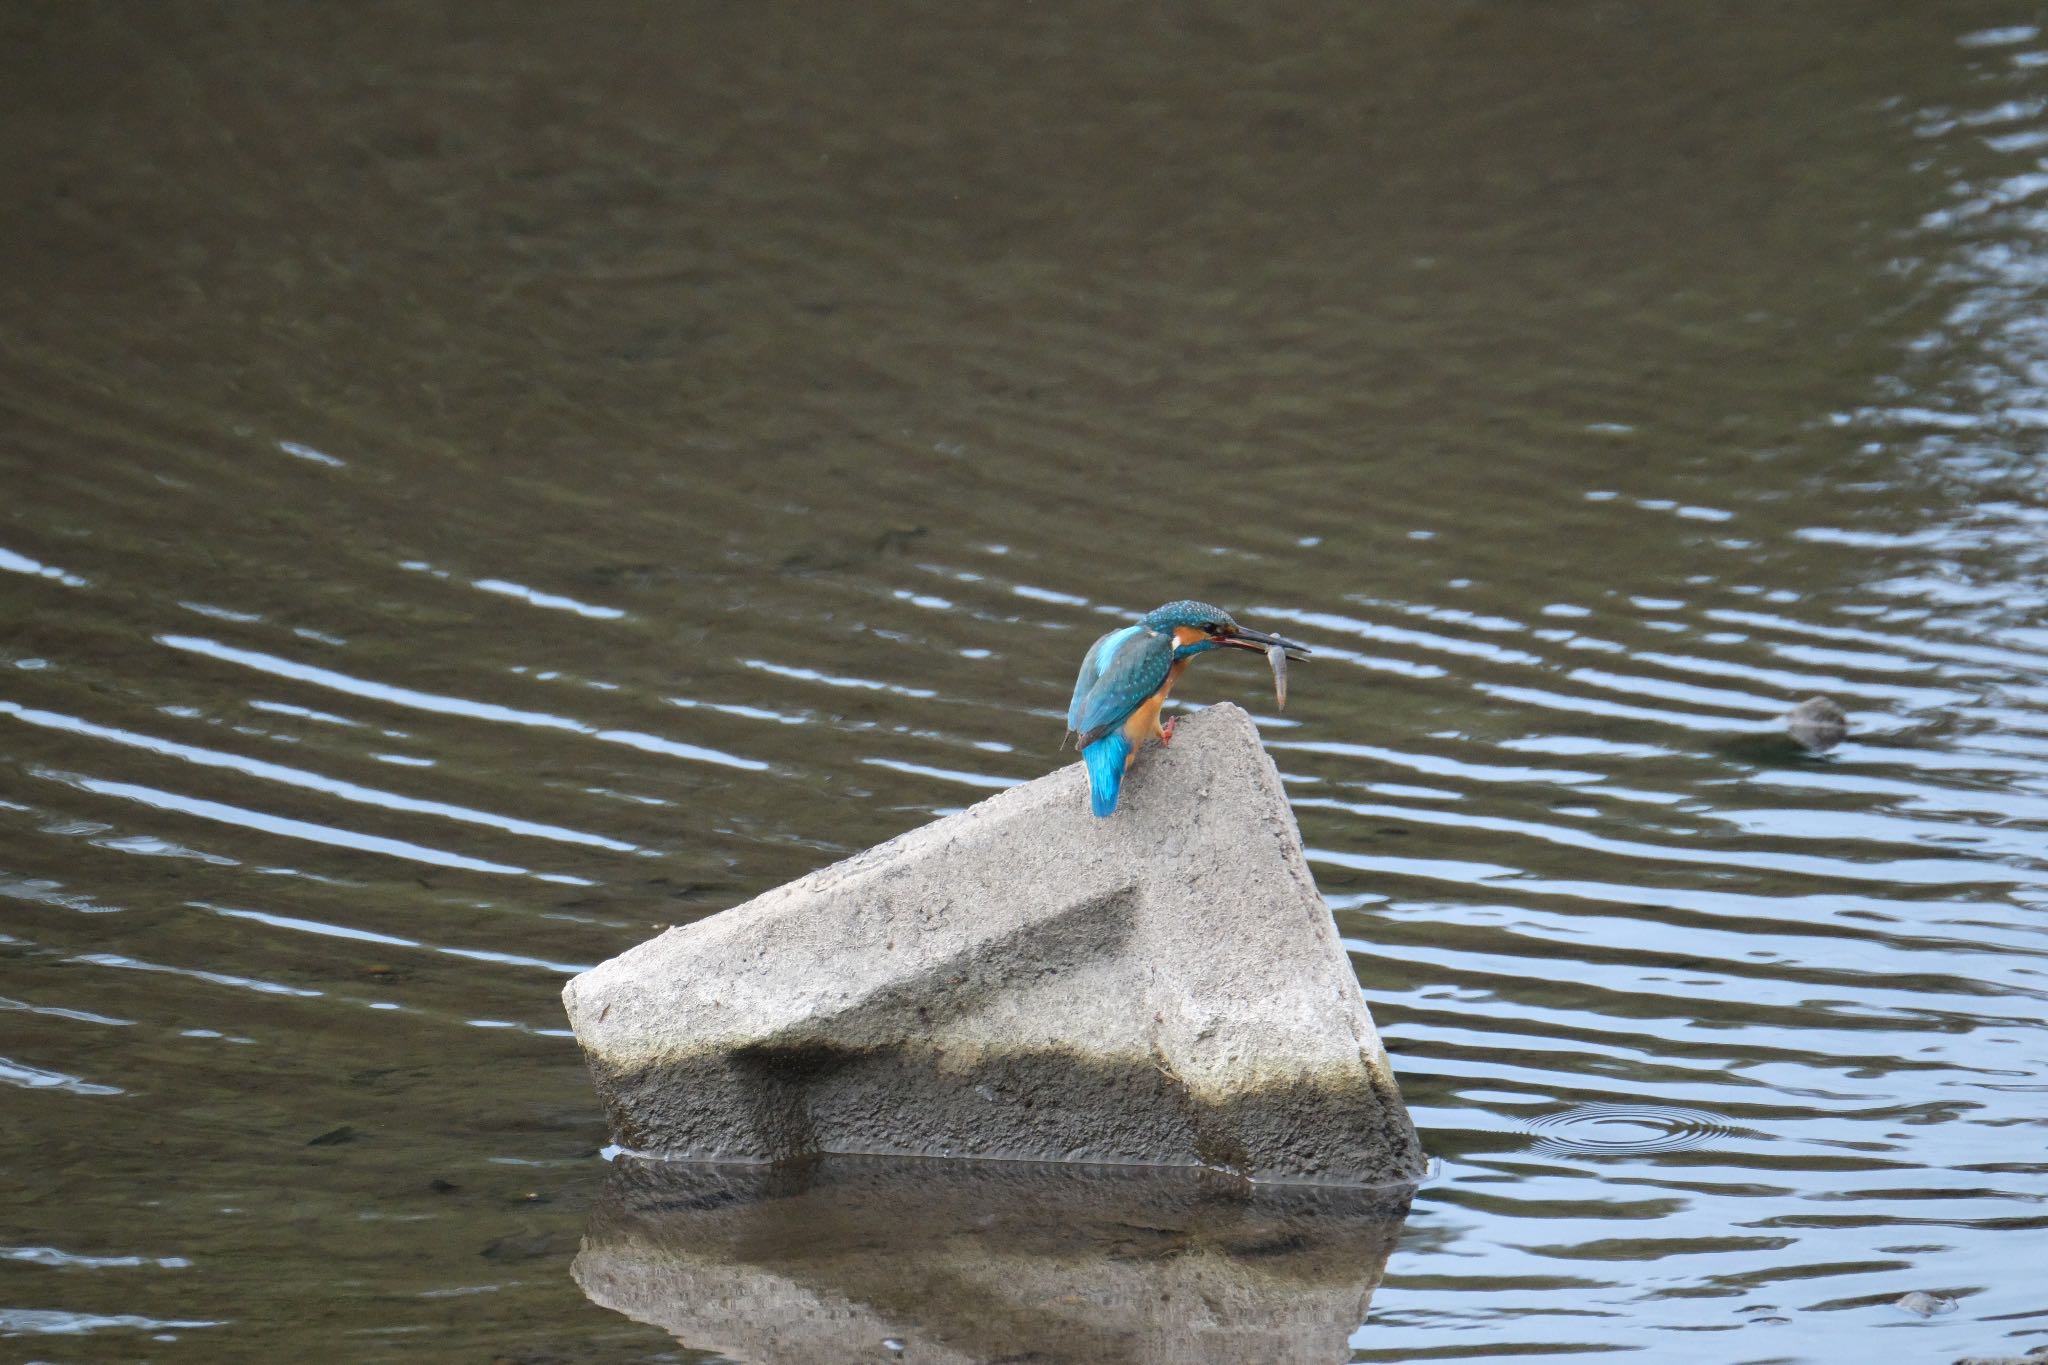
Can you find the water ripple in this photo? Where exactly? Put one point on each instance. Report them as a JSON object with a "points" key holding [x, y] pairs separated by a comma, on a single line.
{"points": [[277, 772], [452, 706], [27, 1077], [266, 822], [1625, 1130]]}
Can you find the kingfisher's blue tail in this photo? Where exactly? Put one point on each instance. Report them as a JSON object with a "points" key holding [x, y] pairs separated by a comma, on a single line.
{"points": [[1105, 759]]}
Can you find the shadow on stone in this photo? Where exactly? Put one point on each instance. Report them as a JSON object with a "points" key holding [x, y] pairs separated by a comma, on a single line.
{"points": [[947, 1262]]}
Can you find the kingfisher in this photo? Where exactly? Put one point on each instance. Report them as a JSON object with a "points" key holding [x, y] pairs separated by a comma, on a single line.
{"points": [[1126, 675]]}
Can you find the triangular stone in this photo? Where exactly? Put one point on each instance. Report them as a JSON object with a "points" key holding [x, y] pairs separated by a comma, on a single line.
{"points": [[1023, 981]]}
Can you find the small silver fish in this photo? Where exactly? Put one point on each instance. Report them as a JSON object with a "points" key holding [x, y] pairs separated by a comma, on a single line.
{"points": [[1276, 655]]}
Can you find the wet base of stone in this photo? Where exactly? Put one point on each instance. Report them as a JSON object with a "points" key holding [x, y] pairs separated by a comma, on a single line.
{"points": [[935, 1262], [782, 1104]]}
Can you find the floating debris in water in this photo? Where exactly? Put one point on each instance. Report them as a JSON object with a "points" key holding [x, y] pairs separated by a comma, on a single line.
{"points": [[1925, 1305], [1276, 655], [1817, 723]]}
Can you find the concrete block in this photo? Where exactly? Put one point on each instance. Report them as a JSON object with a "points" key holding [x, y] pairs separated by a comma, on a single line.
{"points": [[900, 1261], [1022, 981]]}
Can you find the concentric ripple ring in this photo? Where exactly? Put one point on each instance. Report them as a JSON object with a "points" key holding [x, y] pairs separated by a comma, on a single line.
{"points": [[1625, 1130]]}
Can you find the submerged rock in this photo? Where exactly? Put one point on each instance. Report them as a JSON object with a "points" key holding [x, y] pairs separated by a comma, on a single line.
{"points": [[951, 1263], [1022, 981], [1817, 724]]}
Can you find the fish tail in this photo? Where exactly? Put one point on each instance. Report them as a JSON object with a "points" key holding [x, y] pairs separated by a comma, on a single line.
{"points": [[1106, 758]]}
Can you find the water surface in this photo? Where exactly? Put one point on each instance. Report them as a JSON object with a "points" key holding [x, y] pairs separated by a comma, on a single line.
{"points": [[484, 482]]}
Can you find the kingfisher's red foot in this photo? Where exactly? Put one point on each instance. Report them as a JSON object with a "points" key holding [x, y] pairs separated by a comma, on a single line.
{"points": [[1166, 730]]}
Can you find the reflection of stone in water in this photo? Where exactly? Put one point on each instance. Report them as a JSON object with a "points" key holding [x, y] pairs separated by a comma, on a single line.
{"points": [[858, 1259]]}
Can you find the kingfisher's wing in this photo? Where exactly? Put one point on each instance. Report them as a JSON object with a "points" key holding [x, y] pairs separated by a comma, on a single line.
{"points": [[1092, 664], [1119, 671]]}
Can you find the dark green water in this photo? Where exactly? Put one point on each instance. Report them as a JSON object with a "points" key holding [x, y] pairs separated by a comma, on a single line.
{"points": [[481, 482]]}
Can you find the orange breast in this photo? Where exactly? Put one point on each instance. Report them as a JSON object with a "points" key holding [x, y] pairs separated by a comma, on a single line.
{"points": [[1143, 723]]}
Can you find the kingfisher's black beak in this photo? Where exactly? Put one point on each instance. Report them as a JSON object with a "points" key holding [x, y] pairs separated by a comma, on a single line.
{"points": [[1259, 641]]}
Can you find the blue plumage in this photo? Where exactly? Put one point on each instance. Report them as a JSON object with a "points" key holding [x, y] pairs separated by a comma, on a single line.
{"points": [[1093, 664], [1121, 669], [1106, 759]]}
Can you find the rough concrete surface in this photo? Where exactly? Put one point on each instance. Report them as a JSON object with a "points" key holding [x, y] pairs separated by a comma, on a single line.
{"points": [[1024, 981], [945, 1263]]}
